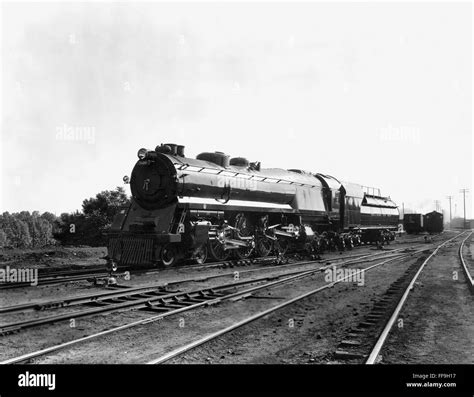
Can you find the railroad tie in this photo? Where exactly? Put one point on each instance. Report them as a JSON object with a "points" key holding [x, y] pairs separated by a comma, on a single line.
{"points": [[366, 324], [159, 309], [349, 343], [345, 355]]}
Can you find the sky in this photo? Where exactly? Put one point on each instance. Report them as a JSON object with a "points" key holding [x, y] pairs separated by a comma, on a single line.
{"points": [[373, 93]]}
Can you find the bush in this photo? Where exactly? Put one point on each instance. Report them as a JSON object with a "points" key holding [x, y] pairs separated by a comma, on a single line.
{"points": [[25, 230], [88, 227]]}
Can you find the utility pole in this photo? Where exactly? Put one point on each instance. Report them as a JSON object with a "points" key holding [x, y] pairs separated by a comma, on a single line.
{"points": [[450, 218], [436, 205], [464, 191]]}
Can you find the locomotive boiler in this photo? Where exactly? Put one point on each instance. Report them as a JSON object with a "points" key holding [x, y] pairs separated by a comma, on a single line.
{"points": [[216, 206]]}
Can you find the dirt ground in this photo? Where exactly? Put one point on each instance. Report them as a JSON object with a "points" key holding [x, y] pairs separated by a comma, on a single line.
{"points": [[319, 322], [64, 257], [153, 277], [438, 318], [327, 315], [75, 258], [469, 255], [54, 257]]}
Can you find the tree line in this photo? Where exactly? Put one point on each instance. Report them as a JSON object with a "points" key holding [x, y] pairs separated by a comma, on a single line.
{"points": [[86, 227]]}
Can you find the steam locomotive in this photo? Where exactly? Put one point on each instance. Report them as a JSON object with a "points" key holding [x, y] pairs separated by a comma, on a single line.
{"points": [[220, 207]]}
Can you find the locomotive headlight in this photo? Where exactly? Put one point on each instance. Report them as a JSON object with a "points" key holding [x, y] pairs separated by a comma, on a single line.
{"points": [[142, 153]]}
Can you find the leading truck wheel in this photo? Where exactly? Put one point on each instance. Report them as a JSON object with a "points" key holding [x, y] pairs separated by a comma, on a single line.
{"points": [[168, 255], [217, 251]]}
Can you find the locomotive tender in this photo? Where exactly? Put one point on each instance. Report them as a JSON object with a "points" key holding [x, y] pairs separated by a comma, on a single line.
{"points": [[184, 208]]}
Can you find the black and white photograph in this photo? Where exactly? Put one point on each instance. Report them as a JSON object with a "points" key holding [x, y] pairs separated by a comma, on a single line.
{"points": [[272, 186]]}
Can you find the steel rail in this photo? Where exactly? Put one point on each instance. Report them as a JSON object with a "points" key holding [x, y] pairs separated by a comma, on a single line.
{"points": [[261, 314], [173, 312], [383, 336], [83, 274], [99, 296], [144, 302], [53, 280], [217, 334], [140, 303], [64, 276], [469, 279]]}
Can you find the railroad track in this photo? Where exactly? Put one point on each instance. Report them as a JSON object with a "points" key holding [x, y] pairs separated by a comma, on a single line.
{"points": [[65, 276], [57, 278], [363, 343], [351, 343], [375, 351], [135, 291], [177, 302], [465, 268], [141, 297], [62, 277], [151, 299]]}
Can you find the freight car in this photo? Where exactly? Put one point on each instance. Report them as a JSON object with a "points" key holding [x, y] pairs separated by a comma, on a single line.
{"points": [[413, 223], [216, 206], [433, 222]]}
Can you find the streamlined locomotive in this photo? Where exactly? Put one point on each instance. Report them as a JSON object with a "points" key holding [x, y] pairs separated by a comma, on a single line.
{"points": [[216, 206]]}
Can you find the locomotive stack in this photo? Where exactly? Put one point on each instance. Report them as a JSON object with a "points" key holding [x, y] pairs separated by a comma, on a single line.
{"points": [[216, 206]]}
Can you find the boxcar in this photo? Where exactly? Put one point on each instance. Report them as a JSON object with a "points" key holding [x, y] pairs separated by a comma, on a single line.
{"points": [[413, 223], [433, 222]]}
